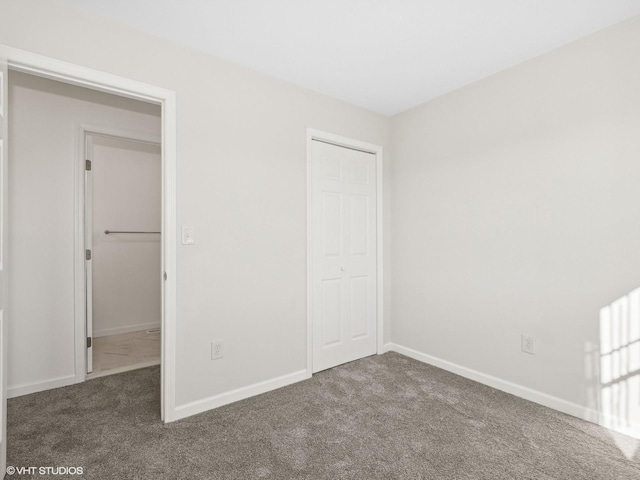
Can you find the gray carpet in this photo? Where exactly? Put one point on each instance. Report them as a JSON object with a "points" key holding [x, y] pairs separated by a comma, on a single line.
{"points": [[382, 417]]}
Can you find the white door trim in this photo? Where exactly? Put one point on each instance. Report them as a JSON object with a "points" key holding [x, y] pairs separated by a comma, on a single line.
{"points": [[27, 62], [81, 361], [83, 244], [313, 134]]}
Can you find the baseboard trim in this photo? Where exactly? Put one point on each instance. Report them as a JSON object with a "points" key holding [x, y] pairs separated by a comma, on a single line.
{"points": [[216, 401], [35, 387], [387, 347], [107, 332], [555, 403]]}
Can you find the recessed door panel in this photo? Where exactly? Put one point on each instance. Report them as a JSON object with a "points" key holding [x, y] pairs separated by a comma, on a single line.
{"points": [[331, 315], [359, 306], [331, 167], [359, 170], [359, 220], [331, 223]]}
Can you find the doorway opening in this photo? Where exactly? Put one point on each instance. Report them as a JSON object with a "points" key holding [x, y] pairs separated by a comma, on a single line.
{"points": [[119, 88], [118, 186], [122, 220]]}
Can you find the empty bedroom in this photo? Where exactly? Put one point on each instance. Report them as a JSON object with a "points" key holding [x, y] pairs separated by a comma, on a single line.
{"points": [[320, 240]]}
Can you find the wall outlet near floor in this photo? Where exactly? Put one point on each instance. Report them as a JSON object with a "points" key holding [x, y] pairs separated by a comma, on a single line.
{"points": [[528, 344], [217, 349]]}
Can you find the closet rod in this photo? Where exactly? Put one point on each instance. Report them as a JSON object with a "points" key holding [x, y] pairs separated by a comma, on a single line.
{"points": [[107, 232]]}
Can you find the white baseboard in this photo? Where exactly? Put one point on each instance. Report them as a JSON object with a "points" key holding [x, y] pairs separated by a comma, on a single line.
{"points": [[35, 387], [564, 406], [106, 332], [216, 401], [387, 347]]}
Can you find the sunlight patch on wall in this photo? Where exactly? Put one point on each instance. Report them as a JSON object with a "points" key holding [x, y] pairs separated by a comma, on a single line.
{"points": [[620, 369]]}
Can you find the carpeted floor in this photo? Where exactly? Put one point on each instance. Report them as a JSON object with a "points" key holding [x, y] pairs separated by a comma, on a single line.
{"points": [[382, 417]]}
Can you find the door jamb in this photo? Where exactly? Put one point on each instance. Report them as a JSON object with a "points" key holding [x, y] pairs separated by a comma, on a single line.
{"points": [[79, 255], [338, 140], [47, 67]]}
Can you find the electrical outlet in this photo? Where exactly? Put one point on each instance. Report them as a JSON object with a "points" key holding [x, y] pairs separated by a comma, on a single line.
{"points": [[217, 349], [528, 344]]}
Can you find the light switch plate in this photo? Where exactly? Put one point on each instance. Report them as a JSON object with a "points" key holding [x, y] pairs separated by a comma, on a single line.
{"points": [[528, 344], [187, 235]]}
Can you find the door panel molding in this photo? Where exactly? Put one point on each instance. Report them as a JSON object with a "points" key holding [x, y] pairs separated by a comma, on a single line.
{"points": [[330, 170]]}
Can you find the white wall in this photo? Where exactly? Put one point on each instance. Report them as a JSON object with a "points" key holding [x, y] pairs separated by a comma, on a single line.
{"points": [[127, 196], [241, 153], [515, 205], [45, 119], [516, 209]]}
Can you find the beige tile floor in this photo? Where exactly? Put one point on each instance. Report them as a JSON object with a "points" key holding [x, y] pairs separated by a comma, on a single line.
{"points": [[127, 351]]}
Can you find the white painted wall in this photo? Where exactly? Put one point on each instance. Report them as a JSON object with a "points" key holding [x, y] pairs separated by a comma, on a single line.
{"points": [[45, 119], [127, 195], [516, 209], [241, 152]]}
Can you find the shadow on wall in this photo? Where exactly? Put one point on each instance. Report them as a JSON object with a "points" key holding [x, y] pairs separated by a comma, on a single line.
{"points": [[617, 360]]}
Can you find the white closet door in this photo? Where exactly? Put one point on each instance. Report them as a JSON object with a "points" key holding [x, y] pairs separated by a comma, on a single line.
{"points": [[344, 255]]}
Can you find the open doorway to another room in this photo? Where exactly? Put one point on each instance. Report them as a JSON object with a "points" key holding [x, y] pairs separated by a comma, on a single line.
{"points": [[54, 125], [123, 200]]}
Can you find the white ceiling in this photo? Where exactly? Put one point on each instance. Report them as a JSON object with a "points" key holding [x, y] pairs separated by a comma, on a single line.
{"points": [[384, 55]]}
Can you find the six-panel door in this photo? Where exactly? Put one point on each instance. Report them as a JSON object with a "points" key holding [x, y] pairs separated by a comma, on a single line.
{"points": [[344, 254]]}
